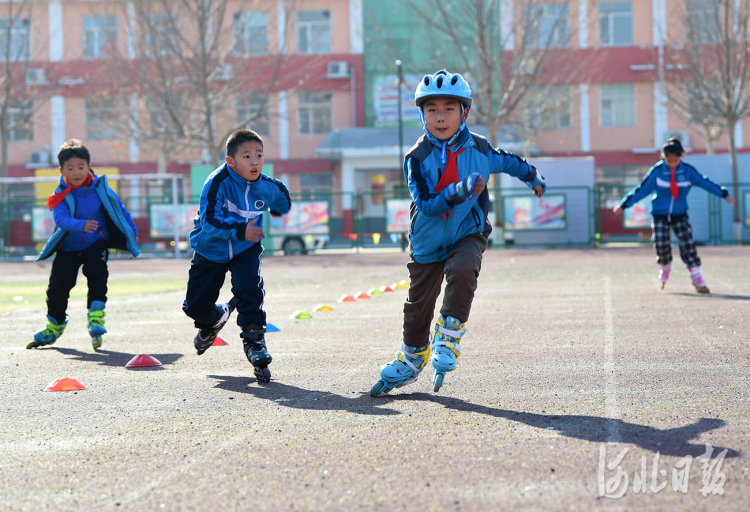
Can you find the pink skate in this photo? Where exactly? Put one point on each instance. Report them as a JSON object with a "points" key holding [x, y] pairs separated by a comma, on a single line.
{"points": [[664, 275], [700, 284]]}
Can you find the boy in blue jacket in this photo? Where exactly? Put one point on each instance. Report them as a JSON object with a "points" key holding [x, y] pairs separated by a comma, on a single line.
{"points": [[446, 170], [90, 219], [226, 237], [670, 180]]}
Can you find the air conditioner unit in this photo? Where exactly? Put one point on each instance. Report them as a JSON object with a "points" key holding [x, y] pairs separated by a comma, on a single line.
{"points": [[683, 135], [36, 76], [338, 69], [39, 157]]}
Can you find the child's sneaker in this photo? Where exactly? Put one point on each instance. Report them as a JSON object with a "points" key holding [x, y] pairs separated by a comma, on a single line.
{"points": [[96, 323], [664, 274], [403, 370], [698, 281], [49, 334], [445, 347], [205, 337]]}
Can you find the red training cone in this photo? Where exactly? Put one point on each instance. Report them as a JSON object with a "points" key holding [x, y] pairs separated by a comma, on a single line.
{"points": [[65, 384], [143, 361], [218, 342], [386, 289], [363, 295], [346, 298]]}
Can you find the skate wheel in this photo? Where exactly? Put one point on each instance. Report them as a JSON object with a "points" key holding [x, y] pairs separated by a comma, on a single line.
{"points": [[437, 381], [377, 389], [263, 374], [96, 342]]}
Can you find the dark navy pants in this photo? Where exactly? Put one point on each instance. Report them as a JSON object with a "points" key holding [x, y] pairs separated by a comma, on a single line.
{"points": [[206, 279]]}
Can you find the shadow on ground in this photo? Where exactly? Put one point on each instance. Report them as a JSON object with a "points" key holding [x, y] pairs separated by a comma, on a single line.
{"points": [[715, 295], [300, 398], [111, 358], [671, 441]]}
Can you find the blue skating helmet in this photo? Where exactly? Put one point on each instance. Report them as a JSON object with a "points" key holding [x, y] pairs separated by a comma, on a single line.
{"points": [[444, 84]]}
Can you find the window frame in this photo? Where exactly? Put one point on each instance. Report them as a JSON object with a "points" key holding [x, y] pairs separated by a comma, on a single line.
{"points": [[22, 113], [308, 26], [99, 129], [18, 36], [244, 29], [102, 36], [616, 99], [611, 18], [253, 102], [310, 108]]}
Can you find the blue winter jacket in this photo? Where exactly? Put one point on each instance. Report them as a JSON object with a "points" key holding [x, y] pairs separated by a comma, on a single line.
{"points": [[435, 223], [80, 205], [228, 203], [658, 179]]}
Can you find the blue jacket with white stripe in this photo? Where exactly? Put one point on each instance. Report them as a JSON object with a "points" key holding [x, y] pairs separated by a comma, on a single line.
{"points": [[657, 181], [228, 203], [436, 224]]}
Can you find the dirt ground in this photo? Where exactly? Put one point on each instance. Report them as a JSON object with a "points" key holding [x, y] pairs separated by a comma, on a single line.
{"points": [[581, 386]]}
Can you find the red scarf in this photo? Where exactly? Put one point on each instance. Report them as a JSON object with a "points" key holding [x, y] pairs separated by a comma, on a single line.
{"points": [[55, 199], [450, 175], [673, 188]]}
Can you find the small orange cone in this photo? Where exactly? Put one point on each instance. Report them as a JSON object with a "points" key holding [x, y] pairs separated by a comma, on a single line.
{"points": [[346, 298], [218, 342], [143, 361], [65, 384], [363, 295]]}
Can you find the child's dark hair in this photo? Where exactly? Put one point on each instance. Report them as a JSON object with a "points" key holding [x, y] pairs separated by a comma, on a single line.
{"points": [[73, 148], [673, 146], [240, 136]]}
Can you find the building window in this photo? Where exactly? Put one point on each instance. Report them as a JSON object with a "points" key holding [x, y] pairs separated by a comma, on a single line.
{"points": [[699, 16], [314, 32], [101, 119], [617, 105], [250, 31], [314, 112], [14, 42], [19, 121], [99, 36], [546, 25], [158, 31], [252, 112], [616, 23], [550, 107]]}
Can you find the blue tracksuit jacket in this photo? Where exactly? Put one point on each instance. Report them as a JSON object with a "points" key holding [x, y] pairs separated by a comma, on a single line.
{"points": [[95, 202], [658, 179], [228, 203], [432, 235]]}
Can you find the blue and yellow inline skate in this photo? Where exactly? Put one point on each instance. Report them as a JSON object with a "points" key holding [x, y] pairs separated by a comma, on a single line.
{"points": [[49, 334], [403, 370], [96, 323], [445, 348]]}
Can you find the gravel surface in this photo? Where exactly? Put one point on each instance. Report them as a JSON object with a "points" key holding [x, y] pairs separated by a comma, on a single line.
{"points": [[572, 359]]}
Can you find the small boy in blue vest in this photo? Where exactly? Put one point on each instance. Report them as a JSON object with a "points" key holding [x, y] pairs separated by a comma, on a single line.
{"points": [[669, 180], [226, 237], [446, 170], [89, 219]]}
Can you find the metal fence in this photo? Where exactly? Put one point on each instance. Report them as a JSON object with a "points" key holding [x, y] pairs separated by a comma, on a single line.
{"points": [[565, 217]]}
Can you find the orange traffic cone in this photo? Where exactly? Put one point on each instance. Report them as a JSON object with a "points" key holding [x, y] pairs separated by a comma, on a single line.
{"points": [[346, 298], [218, 342], [143, 361], [363, 295], [65, 384]]}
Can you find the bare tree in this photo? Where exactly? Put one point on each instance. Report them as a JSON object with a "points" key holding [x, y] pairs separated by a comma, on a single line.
{"points": [[193, 70], [711, 67], [502, 78], [19, 97]]}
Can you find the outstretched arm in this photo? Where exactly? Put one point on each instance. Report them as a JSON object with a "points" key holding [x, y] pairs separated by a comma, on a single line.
{"points": [[429, 202]]}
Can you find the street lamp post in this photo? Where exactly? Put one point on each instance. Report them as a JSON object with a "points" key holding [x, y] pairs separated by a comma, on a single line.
{"points": [[400, 124]]}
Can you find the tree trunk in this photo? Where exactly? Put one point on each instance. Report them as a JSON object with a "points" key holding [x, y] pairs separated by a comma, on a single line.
{"points": [[4, 157], [735, 184], [709, 141], [162, 161]]}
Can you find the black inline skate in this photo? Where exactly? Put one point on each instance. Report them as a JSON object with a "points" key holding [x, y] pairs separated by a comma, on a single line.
{"points": [[255, 350]]}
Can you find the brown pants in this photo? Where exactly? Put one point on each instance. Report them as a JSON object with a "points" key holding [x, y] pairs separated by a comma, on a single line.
{"points": [[461, 269]]}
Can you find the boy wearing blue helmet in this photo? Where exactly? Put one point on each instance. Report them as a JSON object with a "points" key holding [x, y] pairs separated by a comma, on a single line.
{"points": [[446, 170]]}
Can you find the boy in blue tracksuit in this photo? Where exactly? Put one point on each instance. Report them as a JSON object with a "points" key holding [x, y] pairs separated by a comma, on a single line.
{"points": [[670, 180], [226, 237], [90, 218], [446, 170]]}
